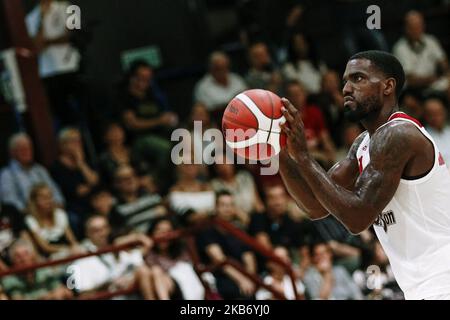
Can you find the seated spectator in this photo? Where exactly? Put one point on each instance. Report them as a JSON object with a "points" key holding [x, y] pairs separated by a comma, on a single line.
{"points": [[240, 184], [12, 227], [262, 74], [75, 177], [217, 246], [320, 145], [39, 284], [190, 197], [347, 249], [436, 118], [274, 227], [147, 117], [199, 118], [113, 271], [101, 202], [331, 102], [117, 153], [279, 279], [170, 263], [421, 55], [219, 85], [304, 64], [327, 282], [375, 279], [48, 224], [22, 173], [135, 208]]}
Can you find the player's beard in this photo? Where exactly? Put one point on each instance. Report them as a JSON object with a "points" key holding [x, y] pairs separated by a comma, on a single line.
{"points": [[363, 109]]}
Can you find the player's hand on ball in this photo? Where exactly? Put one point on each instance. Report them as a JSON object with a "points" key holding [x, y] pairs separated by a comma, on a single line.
{"points": [[294, 130]]}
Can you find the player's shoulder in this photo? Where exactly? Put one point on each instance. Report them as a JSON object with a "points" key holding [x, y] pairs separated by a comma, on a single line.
{"points": [[396, 136]]}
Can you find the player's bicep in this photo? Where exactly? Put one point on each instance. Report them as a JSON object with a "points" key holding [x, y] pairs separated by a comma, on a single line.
{"points": [[390, 151]]}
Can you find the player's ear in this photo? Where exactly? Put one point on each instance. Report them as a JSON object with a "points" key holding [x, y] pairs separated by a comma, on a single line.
{"points": [[389, 86]]}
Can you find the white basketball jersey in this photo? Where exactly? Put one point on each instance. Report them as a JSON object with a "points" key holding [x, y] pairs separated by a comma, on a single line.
{"points": [[414, 228]]}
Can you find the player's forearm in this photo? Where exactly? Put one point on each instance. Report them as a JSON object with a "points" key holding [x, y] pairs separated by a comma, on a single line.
{"points": [[298, 188], [345, 205]]}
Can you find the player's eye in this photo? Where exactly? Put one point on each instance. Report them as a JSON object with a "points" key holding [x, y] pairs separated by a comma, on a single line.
{"points": [[358, 78]]}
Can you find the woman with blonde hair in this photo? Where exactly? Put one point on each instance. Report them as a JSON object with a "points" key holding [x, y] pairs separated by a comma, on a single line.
{"points": [[48, 224]]}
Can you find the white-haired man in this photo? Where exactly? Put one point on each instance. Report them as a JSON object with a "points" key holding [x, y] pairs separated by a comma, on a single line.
{"points": [[22, 173]]}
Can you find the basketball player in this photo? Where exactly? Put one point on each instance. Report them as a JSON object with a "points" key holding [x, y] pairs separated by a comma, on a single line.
{"points": [[393, 178]]}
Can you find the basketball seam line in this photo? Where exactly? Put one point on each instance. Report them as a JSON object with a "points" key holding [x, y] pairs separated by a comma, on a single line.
{"points": [[271, 120]]}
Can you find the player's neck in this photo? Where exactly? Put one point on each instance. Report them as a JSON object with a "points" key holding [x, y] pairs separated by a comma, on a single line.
{"points": [[377, 120]]}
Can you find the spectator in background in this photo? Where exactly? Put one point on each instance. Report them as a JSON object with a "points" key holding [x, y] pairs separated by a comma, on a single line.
{"points": [[375, 279], [304, 64], [262, 74], [48, 224], [146, 116], [190, 198], [117, 153], [216, 246], [274, 227], [320, 145], [114, 271], [40, 284], [331, 102], [436, 118], [421, 55], [219, 85], [198, 122], [12, 227], [58, 59], [240, 184], [327, 282], [279, 279], [171, 265], [135, 207], [17, 179], [75, 176]]}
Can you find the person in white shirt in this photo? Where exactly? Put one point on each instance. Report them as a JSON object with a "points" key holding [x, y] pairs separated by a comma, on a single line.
{"points": [[421, 55], [113, 271], [436, 117], [58, 60], [219, 85]]}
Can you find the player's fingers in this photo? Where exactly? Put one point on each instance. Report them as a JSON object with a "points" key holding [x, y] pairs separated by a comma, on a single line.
{"points": [[288, 105], [285, 128], [289, 117]]}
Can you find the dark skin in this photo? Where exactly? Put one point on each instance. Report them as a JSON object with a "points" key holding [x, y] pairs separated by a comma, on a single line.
{"points": [[397, 150]]}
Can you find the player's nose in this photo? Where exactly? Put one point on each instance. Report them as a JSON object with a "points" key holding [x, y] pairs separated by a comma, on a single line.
{"points": [[347, 89]]}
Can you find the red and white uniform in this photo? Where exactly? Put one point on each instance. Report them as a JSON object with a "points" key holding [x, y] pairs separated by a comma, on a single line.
{"points": [[414, 228]]}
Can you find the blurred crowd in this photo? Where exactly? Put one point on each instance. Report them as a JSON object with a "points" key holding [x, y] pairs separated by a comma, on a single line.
{"points": [[132, 192]]}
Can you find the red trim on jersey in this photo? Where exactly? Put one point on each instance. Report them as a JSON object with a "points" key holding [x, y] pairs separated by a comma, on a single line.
{"points": [[441, 160], [402, 115]]}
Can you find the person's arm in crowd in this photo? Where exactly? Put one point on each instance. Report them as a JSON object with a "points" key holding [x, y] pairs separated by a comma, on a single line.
{"points": [[3, 266], [71, 237], [249, 262], [264, 239], [215, 253], [89, 175], [133, 122], [258, 204], [327, 285], [343, 249], [45, 246], [146, 242], [57, 194]]}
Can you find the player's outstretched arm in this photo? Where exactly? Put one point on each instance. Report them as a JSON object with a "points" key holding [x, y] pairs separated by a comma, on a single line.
{"points": [[390, 150], [344, 173]]}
